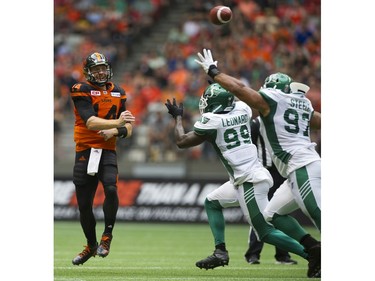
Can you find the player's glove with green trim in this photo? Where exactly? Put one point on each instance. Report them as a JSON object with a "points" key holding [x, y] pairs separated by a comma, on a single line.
{"points": [[173, 109]]}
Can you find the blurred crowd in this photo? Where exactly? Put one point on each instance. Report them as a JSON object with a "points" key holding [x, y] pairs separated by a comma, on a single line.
{"points": [[263, 37]]}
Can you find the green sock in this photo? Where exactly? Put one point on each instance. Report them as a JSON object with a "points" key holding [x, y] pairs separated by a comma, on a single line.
{"points": [[289, 225], [269, 234], [216, 220], [284, 242]]}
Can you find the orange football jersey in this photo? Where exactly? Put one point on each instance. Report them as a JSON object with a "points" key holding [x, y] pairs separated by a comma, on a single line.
{"points": [[107, 104]]}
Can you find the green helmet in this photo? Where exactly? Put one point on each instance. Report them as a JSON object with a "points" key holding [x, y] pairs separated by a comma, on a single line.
{"points": [[279, 81], [216, 99]]}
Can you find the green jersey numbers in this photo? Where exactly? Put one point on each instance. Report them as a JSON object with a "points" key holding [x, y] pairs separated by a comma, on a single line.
{"points": [[229, 130], [235, 136], [230, 135], [292, 117], [286, 130]]}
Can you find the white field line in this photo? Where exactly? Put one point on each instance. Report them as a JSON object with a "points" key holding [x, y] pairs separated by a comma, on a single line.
{"points": [[164, 268], [184, 278]]}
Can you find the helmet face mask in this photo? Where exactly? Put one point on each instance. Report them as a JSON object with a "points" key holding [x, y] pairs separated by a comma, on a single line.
{"points": [[216, 99], [97, 69], [279, 81]]}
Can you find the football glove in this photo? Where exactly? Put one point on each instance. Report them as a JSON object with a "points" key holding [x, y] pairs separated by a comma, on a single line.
{"points": [[173, 109], [207, 63]]}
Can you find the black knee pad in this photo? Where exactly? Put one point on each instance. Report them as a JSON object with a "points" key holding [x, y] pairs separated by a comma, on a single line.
{"points": [[110, 191]]}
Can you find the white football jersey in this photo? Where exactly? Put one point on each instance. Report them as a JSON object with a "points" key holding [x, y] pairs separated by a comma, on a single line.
{"points": [[286, 130], [230, 135]]}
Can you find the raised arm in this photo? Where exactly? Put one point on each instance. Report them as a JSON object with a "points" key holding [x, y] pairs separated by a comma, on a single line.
{"points": [[248, 95], [233, 85], [182, 139], [185, 140]]}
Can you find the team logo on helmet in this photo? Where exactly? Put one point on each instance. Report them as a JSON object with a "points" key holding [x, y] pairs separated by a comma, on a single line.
{"points": [[279, 81], [216, 99], [96, 59]]}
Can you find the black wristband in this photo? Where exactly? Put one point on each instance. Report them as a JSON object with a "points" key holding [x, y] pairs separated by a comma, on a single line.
{"points": [[122, 132], [213, 71]]}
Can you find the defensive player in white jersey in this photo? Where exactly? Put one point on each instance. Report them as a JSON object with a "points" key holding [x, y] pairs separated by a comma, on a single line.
{"points": [[226, 125], [287, 116], [287, 134]]}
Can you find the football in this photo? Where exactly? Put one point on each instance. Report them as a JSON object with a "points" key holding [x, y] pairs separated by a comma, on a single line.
{"points": [[220, 15]]}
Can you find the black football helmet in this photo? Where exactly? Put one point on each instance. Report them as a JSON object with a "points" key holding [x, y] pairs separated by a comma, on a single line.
{"points": [[93, 60]]}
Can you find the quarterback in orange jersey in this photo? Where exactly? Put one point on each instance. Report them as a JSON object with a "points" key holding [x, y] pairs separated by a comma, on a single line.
{"points": [[100, 118]]}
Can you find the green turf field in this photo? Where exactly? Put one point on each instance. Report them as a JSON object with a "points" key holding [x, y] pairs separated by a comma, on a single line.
{"points": [[143, 251]]}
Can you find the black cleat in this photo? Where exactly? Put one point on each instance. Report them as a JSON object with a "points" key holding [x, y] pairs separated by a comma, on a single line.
{"points": [[314, 258], [218, 258], [285, 260], [252, 259], [87, 253], [105, 244]]}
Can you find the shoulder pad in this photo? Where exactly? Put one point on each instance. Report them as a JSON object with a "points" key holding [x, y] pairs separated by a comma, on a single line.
{"points": [[81, 87], [117, 88]]}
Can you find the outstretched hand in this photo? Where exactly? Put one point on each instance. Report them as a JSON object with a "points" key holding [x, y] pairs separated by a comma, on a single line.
{"points": [[173, 109], [206, 60]]}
